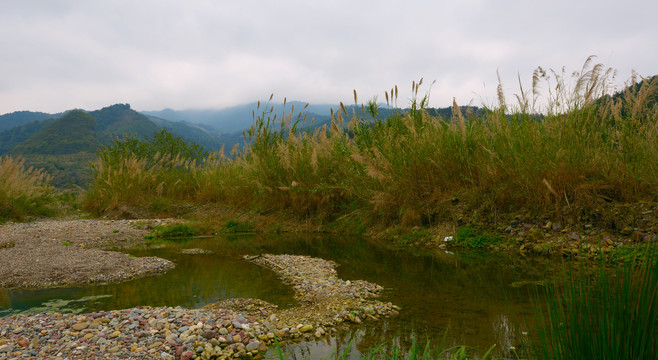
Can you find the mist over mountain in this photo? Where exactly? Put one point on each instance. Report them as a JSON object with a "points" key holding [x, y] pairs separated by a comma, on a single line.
{"points": [[238, 118]]}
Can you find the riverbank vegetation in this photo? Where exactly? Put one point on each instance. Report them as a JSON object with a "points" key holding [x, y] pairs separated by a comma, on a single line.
{"points": [[24, 191], [606, 315], [566, 151]]}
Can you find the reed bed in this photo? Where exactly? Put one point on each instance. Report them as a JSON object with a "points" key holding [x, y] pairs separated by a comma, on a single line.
{"points": [[579, 152], [23, 191]]}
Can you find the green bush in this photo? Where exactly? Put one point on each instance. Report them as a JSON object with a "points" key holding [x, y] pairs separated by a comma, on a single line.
{"points": [[175, 231], [234, 226], [472, 238]]}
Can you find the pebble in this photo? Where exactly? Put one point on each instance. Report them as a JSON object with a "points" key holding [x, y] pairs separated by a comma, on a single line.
{"points": [[233, 328]]}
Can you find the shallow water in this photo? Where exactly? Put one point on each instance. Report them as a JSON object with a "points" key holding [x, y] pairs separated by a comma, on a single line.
{"points": [[468, 294]]}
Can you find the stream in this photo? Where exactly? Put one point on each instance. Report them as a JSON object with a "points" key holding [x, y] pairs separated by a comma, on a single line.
{"points": [[463, 298]]}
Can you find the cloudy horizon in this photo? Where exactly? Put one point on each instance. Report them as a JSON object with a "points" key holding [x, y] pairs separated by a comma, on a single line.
{"points": [[204, 54]]}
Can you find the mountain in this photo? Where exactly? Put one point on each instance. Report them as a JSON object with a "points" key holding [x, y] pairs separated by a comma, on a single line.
{"points": [[72, 133], [9, 139], [18, 118], [208, 138], [119, 120], [239, 118], [64, 145]]}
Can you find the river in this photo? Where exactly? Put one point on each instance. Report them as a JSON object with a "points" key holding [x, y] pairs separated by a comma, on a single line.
{"points": [[470, 298]]}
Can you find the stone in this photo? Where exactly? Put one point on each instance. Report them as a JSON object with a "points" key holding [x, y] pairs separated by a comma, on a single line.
{"points": [[262, 346], [306, 328], [253, 346], [80, 326]]}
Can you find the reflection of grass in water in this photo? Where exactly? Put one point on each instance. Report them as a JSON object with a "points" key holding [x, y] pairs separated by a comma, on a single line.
{"points": [[61, 306]]}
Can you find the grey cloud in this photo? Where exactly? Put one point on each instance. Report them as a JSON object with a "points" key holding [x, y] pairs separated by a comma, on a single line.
{"points": [[203, 53]]}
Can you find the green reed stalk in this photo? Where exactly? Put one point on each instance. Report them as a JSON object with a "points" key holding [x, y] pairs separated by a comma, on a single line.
{"points": [[612, 315]]}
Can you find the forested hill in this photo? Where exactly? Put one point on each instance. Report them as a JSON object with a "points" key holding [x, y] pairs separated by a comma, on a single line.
{"points": [[18, 118], [72, 133]]}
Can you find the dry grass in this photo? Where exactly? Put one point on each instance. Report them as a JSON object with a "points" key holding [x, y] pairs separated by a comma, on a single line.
{"points": [[23, 191], [581, 149]]}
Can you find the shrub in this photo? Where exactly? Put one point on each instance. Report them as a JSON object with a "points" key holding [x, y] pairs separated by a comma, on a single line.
{"points": [[234, 226], [174, 231], [472, 238]]}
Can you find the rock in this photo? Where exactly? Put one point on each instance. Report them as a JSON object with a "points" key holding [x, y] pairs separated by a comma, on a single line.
{"points": [[262, 346], [7, 348], [187, 355], [80, 326], [253, 346], [306, 328]]}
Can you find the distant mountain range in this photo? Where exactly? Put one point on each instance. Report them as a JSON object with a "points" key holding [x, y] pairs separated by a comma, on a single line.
{"points": [[64, 143], [238, 118]]}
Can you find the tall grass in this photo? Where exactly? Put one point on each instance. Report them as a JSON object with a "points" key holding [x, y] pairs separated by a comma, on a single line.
{"points": [[23, 191], [154, 174], [613, 315], [578, 151]]}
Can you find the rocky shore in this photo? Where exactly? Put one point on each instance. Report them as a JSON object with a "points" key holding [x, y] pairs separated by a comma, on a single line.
{"points": [[53, 253], [234, 328]]}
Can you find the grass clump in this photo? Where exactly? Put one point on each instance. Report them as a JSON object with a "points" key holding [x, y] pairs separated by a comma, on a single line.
{"points": [[472, 238], [144, 174], [174, 231], [611, 315], [23, 191], [234, 226]]}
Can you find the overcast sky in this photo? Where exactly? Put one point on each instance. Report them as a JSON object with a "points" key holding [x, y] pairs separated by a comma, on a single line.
{"points": [[155, 54]]}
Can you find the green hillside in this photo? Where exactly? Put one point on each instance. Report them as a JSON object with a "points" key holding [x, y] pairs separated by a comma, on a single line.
{"points": [[119, 120], [18, 118], [72, 133], [9, 139]]}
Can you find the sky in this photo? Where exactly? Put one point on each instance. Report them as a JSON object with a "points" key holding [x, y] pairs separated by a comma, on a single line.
{"points": [[212, 54]]}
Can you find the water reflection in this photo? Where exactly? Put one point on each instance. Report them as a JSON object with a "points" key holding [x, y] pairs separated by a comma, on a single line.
{"points": [[468, 293]]}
